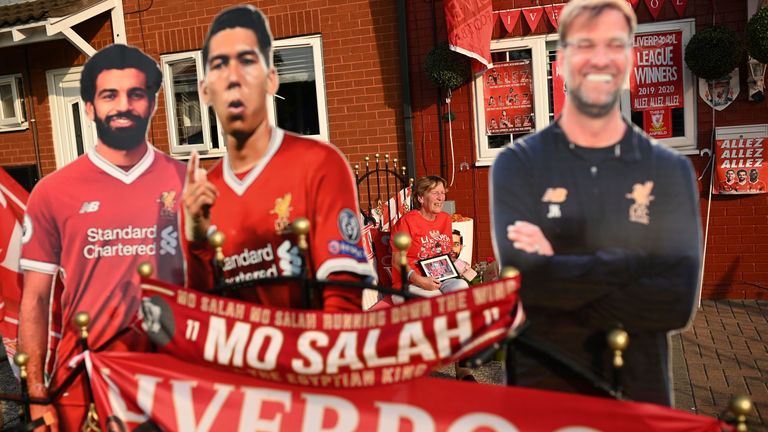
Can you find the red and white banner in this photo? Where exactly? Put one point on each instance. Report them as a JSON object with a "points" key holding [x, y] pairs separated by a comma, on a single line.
{"points": [[553, 12], [470, 25], [656, 80], [558, 89], [509, 18], [654, 6], [508, 89], [634, 3], [533, 16], [680, 6], [159, 392], [740, 166], [658, 122], [321, 349], [13, 200]]}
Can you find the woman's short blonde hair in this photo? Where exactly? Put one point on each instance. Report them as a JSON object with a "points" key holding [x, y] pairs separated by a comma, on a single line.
{"points": [[423, 186], [594, 8]]}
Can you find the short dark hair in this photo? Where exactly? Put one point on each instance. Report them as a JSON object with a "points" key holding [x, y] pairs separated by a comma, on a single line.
{"points": [[461, 237], [119, 56], [242, 16], [741, 170]]}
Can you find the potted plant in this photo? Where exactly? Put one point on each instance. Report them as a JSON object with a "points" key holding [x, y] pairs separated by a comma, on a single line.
{"points": [[757, 47], [713, 53], [446, 68]]}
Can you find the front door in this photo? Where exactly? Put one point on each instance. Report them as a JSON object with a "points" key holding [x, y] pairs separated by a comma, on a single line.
{"points": [[73, 132]]}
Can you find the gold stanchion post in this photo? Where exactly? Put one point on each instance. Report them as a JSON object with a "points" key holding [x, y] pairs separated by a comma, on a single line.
{"points": [[402, 242], [618, 341], [301, 227], [21, 359], [145, 269], [741, 406]]}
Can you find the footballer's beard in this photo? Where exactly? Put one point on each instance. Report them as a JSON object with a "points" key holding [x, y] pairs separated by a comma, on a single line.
{"points": [[592, 109], [125, 138]]}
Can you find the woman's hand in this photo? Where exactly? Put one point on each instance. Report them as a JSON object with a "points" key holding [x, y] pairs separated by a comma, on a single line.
{"points": [[423, 282]]}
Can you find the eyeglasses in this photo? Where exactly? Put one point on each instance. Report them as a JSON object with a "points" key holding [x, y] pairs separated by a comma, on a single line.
{"points": [[587, 47]]}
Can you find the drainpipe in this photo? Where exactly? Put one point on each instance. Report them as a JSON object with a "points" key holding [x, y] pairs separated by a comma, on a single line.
{"points": [[402, 27], [439, 99], [31, 114]]}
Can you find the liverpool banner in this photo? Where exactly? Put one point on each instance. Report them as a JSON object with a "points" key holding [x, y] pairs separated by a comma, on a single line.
{"points": [[740, 166], [470, 25], [354, 349], [136, 391]]}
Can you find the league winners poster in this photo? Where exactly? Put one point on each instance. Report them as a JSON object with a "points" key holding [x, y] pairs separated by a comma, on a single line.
{"points": [[740, 166], [656, 80], [509, 98]]}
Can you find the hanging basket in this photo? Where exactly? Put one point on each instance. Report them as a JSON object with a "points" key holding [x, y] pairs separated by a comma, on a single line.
{"points": [[447, 69], [757, 35], [713, 52]]}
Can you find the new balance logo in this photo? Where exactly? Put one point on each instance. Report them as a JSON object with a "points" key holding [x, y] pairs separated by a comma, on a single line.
{"points": [[89, 207]]}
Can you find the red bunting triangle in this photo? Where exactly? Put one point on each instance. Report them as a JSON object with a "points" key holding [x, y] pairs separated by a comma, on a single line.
{"points": [[654, 6], [553, 12], [679, 6], [634, 3], [509, 18], [533, 16]]}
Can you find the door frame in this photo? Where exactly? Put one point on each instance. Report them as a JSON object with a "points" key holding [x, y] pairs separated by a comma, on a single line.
{"points": [[65, 151]]}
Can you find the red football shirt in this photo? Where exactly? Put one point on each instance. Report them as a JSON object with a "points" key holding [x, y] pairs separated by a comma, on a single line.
{"points": [[428, 239], [95, 223], [297, 177]]}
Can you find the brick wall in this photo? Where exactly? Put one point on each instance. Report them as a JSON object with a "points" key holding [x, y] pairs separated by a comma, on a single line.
{"points": [[737, 248], [360, 56]]}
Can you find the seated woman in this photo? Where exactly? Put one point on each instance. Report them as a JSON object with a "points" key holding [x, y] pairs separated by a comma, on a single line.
{"points": [[431, 235]]}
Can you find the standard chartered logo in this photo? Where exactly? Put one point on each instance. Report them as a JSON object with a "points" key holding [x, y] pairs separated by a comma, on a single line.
{"points": [[169, 239], [130, 241]]}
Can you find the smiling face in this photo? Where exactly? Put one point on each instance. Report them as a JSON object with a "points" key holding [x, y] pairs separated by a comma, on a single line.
{"points": [[121, 108], [238, 81], [596, 57], [729, 176], [742, 175], [432, 201]]}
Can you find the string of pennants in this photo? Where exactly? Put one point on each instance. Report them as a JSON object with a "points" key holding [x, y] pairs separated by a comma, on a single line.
{"points": [[533, 15]]}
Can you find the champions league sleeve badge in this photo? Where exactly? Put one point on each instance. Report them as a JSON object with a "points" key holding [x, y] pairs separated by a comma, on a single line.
{"points": [[349, 226]]}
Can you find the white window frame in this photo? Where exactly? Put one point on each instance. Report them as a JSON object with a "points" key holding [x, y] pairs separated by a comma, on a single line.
{"points": [[538, 46], [687, 144], [17, 122], [207, 148], [167, 62], [316, 42]]}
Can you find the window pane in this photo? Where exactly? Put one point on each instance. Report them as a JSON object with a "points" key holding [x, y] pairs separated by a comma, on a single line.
{"points": [[6, 102], [189, 125], [508, 97], [296, 106], [20, 95]]}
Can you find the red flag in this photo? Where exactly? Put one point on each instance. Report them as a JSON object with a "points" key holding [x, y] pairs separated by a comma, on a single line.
{"points": [[533, 16], [553, 12], [654, 6], [679, 6], [509, 18], [13, 200], [634, 3], [135, 391], [470, 25]]}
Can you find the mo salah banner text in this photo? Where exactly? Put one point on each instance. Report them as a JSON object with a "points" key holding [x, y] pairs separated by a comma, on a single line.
{"points": [[329, 349], [137, 391]]}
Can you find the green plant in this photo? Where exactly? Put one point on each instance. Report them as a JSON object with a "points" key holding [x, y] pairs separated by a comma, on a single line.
{"points": [[447, 69], [713, 52], [757, 35]]}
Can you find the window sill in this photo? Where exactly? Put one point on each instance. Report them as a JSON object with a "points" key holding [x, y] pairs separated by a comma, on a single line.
{"points": [[14, 128]]}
